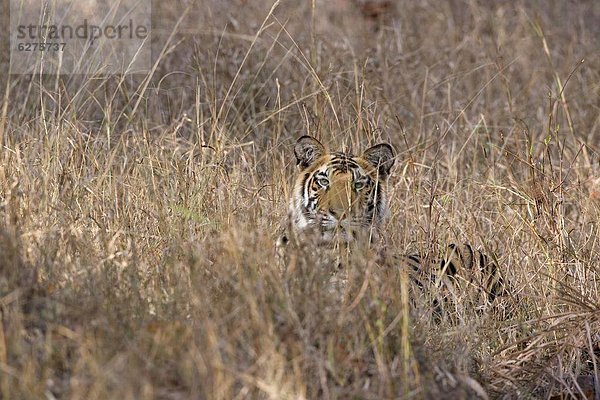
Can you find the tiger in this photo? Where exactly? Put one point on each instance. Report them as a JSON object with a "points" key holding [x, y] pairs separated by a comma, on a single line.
{"points": [[340, 198]]}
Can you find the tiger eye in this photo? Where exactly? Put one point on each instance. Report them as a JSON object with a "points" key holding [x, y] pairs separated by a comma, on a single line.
{"points": [[323, 182], [358, 185]]}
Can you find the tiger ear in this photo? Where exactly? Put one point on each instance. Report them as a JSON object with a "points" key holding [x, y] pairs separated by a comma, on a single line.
{"points": [[307, 151], [381, 156]]}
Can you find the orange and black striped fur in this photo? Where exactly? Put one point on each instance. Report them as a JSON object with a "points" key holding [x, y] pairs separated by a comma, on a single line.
{"points": [[463, 272], [338, 198]]}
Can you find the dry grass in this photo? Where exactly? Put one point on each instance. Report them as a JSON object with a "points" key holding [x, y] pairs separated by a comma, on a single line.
{"points": [[138, 216]]}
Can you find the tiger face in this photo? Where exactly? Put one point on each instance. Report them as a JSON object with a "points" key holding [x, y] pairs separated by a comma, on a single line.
{"points": [[338, 195]]}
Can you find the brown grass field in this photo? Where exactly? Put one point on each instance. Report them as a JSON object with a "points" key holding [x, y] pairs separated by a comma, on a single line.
{"points": [[138, 214]]}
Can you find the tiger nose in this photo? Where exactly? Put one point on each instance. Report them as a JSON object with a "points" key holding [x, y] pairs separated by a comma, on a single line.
{"points": [[340, 200], [340, 206]]}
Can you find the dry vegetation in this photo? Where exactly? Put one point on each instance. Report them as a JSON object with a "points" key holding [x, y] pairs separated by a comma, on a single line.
{"points": [[138, 215]]}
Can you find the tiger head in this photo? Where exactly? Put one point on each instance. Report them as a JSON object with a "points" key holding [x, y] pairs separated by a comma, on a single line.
{"points": [[337, 195]]}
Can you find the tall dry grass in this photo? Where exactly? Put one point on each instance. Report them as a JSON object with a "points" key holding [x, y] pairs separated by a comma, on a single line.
{"points": [[139, 213]]}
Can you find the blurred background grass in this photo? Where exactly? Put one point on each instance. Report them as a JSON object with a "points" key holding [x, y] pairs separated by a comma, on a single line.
{"points": [[139, 212]]}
